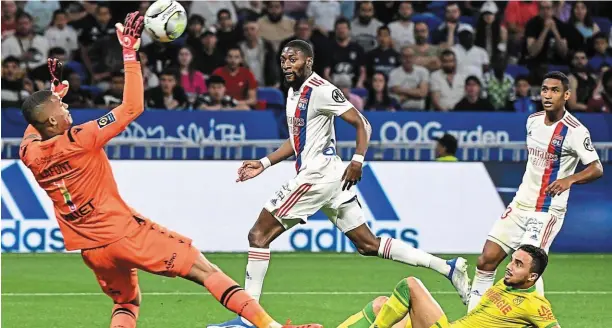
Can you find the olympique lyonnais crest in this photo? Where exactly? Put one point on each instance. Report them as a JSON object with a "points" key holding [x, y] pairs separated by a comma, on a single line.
{"points": [[557, 140]]}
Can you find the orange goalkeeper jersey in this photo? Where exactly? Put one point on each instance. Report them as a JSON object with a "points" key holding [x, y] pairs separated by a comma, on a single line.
{"points": [[76, 174]]}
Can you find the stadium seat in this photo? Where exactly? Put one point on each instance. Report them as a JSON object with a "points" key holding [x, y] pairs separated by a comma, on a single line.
{"points": [[431, 20], [562, 68], [272, 96], [361, 92], [516, 70], [604, 24], [437, 8], [94, 90], [468, 20]]}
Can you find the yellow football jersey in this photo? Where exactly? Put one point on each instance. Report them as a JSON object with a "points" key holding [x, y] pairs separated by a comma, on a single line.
{"points": [[506, 307]]}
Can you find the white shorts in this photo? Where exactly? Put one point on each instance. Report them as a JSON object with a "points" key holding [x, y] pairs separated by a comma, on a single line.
{"points": [[517, 227], [295, 201]]}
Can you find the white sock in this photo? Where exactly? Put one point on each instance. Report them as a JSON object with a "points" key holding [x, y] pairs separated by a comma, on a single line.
{"points": [[540, 286], [397, 250], [256, 269], [483, 280]]}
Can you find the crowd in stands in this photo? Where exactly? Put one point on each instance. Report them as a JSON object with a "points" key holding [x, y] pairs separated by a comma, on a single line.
{"points": [[384, 55]]}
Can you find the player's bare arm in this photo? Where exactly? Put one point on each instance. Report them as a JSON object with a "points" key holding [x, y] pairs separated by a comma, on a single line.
{"points": [[352, 174], [251, 169], [592, 172]]}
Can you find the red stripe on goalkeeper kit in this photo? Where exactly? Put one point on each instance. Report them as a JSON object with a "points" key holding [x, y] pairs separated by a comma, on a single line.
{"points": [[548, 231], [293, 199], [387, 248]]}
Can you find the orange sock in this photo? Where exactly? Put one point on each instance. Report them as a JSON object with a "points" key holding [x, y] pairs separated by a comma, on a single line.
{"points": [[124, 316], [235, 299]]}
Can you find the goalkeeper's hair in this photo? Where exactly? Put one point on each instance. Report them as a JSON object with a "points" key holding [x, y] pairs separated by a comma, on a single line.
{"points": [[539, 258], [33, 104]]}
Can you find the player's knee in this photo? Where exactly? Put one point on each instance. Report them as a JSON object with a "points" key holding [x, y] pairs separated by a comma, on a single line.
{"points": [[378, 303], [257, 239], [486, 263], [201, 270], [413, 282], [367, 248]]}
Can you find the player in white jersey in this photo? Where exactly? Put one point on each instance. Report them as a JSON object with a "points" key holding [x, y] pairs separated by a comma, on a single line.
{"points": [[556, 141], [322, 182]]}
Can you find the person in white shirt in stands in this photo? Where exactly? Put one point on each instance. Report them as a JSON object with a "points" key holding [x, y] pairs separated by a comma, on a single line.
{"points": [[61, 35], [26, 45], [402, 30], [210, 9], [409, 83], [447, 85], [323, 15], [471, 59], [365, 26]]}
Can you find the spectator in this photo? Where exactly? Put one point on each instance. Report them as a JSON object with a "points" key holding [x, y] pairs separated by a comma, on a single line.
{"points": [[27, 46], [490, 34], [274, 26], [240, 81], [365, 26], [602, 52], [60, 34], [601, 101], [319, 43], [114, 95], [249, 9], [471, 59], [582, 84], [40, 75], [105, 56], [347, 57], [195, 25], [427, 55], [378, 94], [260, 56], [546, 39], [296, 9], [409, 83], [161, 55], [563, 10], [343, 82], [524, 101], [216, 99], [9, 18], [447, 85], [211, 57], [446, 34], [192, 80], [446, 148], [77, 97], [582, 21], [323, 15], [14, 88], [101, 28], [227, 34], [210, 11], [473, 102], [384, 58], [402, 30], [499, 85], [169, 95], [386, 11], [516, 16], [43, 13], [150, 78]]}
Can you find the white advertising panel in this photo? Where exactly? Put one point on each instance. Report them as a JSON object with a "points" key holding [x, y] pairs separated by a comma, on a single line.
{"points": [[438, 207]]}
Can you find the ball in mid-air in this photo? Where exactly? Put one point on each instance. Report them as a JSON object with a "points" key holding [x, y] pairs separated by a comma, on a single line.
{"points": [[165, 20]]}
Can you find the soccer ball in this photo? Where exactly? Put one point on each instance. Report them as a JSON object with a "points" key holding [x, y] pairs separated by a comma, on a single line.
{"points": [[165, 20]]}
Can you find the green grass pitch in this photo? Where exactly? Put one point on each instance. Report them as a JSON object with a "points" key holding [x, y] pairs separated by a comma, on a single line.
{"points": [[58, 290]]}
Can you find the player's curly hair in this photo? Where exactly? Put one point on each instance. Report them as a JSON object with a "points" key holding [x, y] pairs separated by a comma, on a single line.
{"points": [[32, 105], [556, 75], [538, 256]]}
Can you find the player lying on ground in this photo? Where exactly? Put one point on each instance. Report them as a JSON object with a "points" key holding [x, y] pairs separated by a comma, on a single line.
{"points": [[556, 141], [321, 181], [70, 164], [511, 303]]}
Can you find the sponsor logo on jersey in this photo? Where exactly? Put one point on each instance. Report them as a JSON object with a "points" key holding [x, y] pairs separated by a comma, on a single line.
{"points": [[106, 120], [588, 145]]}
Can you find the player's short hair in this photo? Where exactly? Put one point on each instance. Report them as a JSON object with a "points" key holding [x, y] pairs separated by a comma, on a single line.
{"points": [[556, 75], [302, 46], [539, 258], [32, 105]]}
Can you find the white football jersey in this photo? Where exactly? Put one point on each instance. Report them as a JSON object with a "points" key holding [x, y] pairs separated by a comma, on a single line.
{"points": [[553, 153], [310, 116]]}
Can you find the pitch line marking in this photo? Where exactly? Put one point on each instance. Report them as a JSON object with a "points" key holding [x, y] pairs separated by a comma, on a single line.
{"points": [[565, 292]]}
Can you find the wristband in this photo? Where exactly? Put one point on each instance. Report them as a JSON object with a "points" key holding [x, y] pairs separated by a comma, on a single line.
{"points": [[130, 55], [357, 158], [265, 162]]}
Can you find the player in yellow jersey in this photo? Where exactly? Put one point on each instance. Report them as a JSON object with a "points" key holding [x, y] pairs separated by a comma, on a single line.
{"points": [[510, 303]]}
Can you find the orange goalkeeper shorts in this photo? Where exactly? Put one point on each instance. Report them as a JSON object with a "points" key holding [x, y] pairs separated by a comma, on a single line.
{"points": [[150, 248]]}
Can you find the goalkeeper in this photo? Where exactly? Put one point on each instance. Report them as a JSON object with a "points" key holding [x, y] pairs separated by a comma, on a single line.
{"points": [[510, 303]]}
